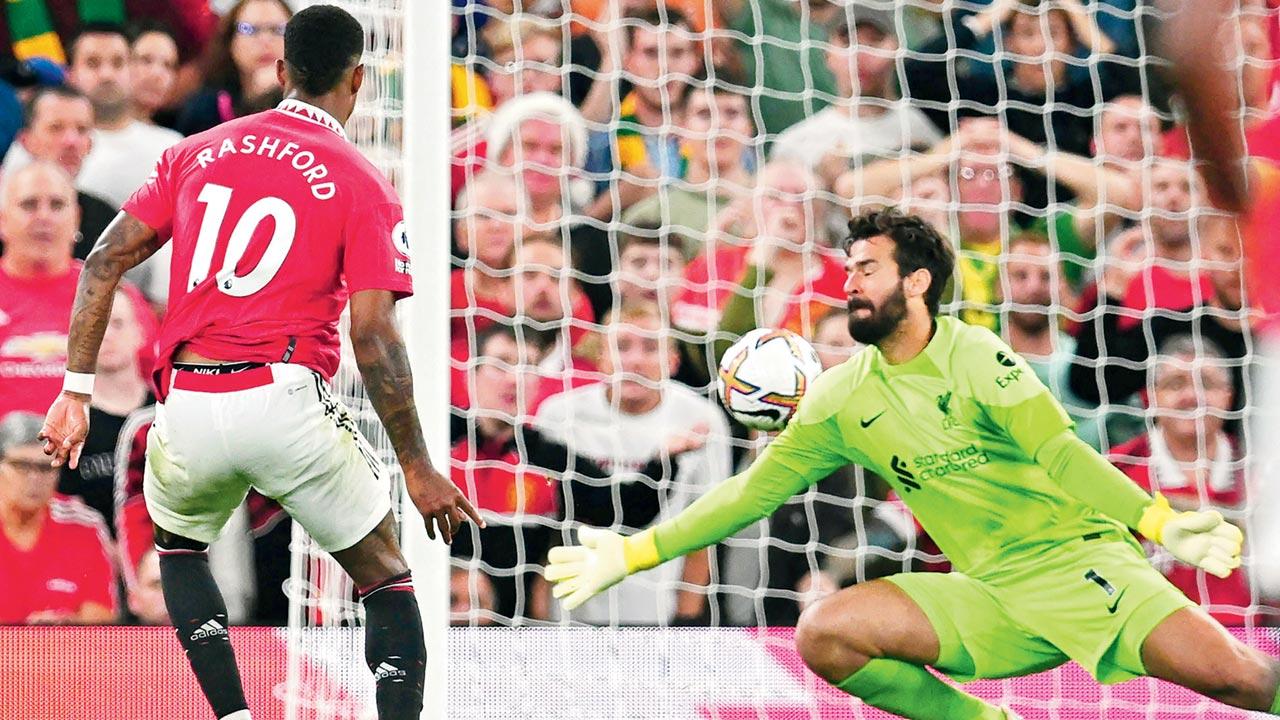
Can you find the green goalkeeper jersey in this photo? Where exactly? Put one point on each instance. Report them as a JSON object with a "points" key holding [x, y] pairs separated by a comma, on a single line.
{"points": [[964, 432]]}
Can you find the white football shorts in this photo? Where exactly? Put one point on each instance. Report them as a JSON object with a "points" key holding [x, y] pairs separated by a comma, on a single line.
{"points": [[276, 428]]}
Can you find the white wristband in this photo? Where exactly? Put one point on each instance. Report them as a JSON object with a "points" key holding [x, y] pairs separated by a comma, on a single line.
{"points": [[78, 383]]}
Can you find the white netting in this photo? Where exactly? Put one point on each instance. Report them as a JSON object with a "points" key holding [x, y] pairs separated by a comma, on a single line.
{"points": [[320, 593], [1037, 140]]}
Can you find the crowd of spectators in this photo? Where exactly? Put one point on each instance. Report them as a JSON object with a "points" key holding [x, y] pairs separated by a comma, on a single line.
{"points": [[635, 184]]}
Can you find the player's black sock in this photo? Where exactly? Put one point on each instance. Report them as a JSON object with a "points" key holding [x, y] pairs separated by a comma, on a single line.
{"points": [[394, 648], [200, 617]]}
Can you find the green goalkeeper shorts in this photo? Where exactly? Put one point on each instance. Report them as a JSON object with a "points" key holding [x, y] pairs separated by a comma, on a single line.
{"points": [[1092, 601]]}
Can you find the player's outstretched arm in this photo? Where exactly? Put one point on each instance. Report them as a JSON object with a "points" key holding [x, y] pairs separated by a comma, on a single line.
{"points": [[125, 243], [384, 366], [801, 455], [1201, 74]]}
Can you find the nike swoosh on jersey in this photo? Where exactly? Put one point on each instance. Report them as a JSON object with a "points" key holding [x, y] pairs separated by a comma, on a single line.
{"points": [[866, 423], [1116, 603]]}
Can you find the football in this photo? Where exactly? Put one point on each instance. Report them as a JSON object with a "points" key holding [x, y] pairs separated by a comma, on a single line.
{"points": [[764, 375]]}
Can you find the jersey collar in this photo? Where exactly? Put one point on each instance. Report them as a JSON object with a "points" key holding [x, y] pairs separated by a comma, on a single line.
{"points": [[931, 361], [313, 114]]}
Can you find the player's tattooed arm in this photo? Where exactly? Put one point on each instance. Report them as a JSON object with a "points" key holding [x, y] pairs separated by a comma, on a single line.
{"points": [[384, 366], [388, 380], [125, 243]]}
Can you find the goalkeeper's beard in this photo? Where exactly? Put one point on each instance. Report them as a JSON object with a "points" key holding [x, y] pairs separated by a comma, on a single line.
{"points": [[882, 321]]}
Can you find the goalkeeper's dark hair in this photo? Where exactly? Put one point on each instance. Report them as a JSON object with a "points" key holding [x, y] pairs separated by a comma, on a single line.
{"points": [[917, 245], [321, 43]]}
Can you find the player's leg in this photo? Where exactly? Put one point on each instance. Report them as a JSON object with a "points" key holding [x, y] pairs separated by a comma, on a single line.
{"points": [[1191, 649], [199, 616], [330, 482], [394, 647], [874, 640], [189, 510]]}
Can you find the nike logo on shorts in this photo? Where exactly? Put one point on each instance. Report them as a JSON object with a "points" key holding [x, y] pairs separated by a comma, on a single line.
{"points": [[1116, 603], [866, 423]]}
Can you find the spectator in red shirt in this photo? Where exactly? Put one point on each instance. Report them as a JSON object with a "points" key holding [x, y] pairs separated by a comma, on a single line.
{"points": [[801, 282], [1168, 280], [38, 279], [54, 563], [1189, 457], [486, 227]]}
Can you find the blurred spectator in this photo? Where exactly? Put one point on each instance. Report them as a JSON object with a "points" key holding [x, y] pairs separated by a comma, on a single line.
{"points": [[125, 150], [868, 120], [1128, 132], [1190, 458], [1170, 280], [153, 70], [650, 266], [832, 340], [526, 54], [548, 302], [38, 279], [486, 229], [778, 43], [541, 139], [1034, 296], [988, 190], [58, 127], [472, 600], [510, 472], [639, 415], [118, 390], [778, 226], [659, 59], [1033, 97], [717, 139], [54, 564], [240, 66], [1219, 319], [44, 34], [146, 597], [545, 298], [1256, 62]]}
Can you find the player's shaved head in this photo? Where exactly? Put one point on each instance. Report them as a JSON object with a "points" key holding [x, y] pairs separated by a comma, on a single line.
{"points": [[321, 45]]}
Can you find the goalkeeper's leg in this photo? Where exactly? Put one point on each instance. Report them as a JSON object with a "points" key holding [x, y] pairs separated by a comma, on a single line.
{"points": [[1191, 649], [873, 641], [394, 647]]}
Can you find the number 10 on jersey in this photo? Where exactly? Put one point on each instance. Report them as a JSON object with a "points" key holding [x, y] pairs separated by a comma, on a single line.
{"points": [[217, 198]]}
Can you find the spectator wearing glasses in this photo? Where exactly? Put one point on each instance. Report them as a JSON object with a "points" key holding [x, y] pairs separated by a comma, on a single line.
{"points": [[979, 161], [240, 66], [54, 564]]}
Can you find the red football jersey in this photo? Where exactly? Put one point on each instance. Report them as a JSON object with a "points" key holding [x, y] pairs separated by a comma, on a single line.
{"points": [[67, 567], [276, 219]]}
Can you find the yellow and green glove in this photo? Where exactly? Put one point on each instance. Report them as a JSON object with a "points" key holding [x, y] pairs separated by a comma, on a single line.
{"points": [[1201, 538]]}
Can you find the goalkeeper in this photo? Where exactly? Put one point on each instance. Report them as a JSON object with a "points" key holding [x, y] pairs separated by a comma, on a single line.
{"points": [[1035, 522]]}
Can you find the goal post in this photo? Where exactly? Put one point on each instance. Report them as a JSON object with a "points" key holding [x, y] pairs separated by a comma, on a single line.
{"points": [[424, 194]]}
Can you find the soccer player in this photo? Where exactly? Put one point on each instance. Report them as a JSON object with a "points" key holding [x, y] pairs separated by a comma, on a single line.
{"points": [[276, 221], [1036, 523]]}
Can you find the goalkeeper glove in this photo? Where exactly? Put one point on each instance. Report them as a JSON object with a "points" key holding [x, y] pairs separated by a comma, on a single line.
{"points": [[602, 560], [1200, 538]]}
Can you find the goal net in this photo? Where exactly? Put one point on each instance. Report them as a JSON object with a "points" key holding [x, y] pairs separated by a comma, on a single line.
{"points": [[608, 154]]}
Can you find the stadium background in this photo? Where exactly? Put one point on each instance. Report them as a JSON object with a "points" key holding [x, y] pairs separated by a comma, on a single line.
{"points": [[689, 163]]}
